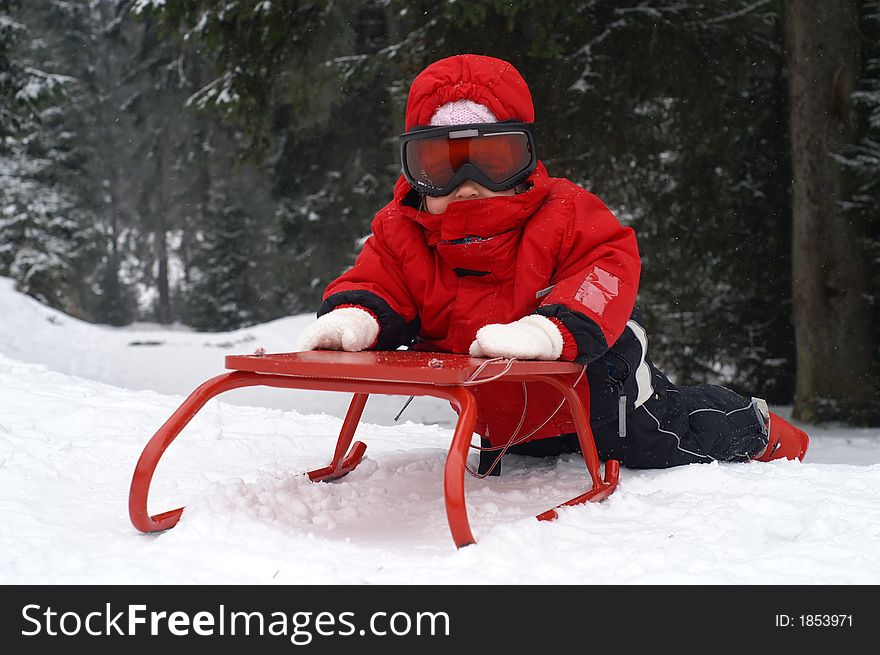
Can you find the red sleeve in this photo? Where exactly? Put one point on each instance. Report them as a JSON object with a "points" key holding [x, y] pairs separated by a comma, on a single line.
{"points": [[376, 283], [596, 279], [569, 345]]}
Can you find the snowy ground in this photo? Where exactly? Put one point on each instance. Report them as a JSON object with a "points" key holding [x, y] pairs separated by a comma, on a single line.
{"points": [[79, 402]]}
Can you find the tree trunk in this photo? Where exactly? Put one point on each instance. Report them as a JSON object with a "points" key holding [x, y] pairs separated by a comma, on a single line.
{"points": [[837, 377], [163, 307]]}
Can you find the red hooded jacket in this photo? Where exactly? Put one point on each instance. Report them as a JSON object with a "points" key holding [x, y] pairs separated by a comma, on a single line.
{"points": [[553, 249]]}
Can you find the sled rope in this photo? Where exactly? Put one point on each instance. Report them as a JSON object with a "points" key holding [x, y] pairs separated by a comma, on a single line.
{"points": [[472, 380], [513, 440]]}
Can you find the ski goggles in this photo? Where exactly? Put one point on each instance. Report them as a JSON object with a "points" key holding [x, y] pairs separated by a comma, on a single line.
{"points": [[496, 155]]}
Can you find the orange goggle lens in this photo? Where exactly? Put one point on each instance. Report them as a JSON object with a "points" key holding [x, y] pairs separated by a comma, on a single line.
{"points": [[499, 156]]}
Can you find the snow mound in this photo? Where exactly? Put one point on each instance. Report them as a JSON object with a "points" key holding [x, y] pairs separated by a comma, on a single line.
{"points": [[80, 402]]}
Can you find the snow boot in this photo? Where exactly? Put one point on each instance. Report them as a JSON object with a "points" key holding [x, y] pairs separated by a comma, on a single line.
{"points": [[784, 442], [488, 464]]}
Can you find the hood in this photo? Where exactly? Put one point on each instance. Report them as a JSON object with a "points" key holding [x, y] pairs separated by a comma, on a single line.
{"points": [[488, 81], [477, 234]]}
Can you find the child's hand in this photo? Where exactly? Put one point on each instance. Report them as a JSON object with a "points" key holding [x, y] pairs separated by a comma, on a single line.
{"points": [[532, 337], [346, 328]]}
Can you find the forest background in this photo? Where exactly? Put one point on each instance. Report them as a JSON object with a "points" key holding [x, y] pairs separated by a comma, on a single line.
{"points": [[216, 164]]}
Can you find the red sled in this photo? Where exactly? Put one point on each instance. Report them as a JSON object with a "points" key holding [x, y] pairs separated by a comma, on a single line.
{"points": [[399, 372]]}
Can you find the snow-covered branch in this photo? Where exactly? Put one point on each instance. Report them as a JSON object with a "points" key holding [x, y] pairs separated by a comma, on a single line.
{"points": [[40, 84]]}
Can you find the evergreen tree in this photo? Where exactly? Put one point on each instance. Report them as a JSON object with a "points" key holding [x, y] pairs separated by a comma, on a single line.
{"points": [[221, 296], [46, 234], [102, 52], [231, 256], [282, 75], [152, 164]]}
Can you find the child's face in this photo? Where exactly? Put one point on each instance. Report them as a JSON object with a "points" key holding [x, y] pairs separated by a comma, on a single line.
{"points": [[467, 190]]}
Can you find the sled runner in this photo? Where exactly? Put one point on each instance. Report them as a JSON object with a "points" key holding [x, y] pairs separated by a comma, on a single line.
{"points": [[405, 373]]}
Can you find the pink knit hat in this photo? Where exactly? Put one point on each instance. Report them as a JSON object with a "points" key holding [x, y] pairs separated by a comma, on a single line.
{"points": [[462, 112]]}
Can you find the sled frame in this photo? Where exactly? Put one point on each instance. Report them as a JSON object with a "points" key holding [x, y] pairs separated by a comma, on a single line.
{"points": [[404, 373]]}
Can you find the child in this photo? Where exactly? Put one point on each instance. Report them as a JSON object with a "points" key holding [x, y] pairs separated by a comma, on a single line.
{"points": [[481, 252]]}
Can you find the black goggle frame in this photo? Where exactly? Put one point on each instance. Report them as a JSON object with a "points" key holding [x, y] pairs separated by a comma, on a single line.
{"points": [[469, 171]]}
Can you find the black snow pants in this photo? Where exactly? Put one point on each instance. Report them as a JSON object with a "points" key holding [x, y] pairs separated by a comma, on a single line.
{"points": [[663, 424]]}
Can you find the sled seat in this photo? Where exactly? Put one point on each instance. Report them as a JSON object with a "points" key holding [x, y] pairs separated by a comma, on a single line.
{"points": [[399, 372]]}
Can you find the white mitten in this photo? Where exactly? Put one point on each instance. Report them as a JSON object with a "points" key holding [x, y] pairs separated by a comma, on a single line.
{"points": [[346, 328], [532, 337]]}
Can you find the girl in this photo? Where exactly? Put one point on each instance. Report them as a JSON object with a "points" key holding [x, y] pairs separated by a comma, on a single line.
{"points": [[481, 252]]}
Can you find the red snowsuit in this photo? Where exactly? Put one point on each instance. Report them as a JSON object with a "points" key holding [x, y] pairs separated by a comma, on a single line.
{"points": [[553, 249]]}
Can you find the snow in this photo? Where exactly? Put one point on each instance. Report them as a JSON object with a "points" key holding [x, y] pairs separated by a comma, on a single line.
{"points": [[81, 401], [142, 5]]}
